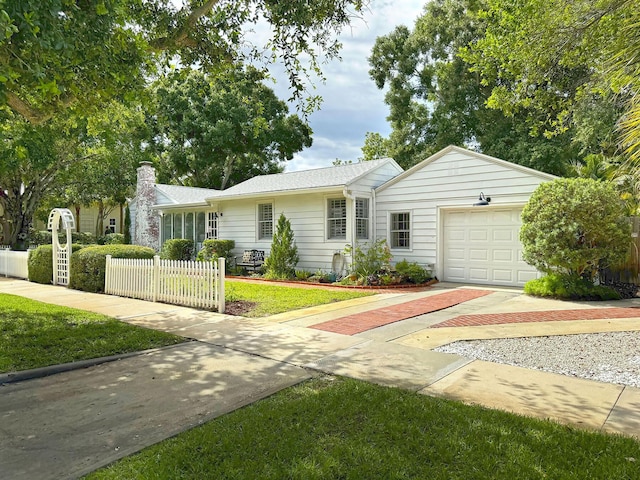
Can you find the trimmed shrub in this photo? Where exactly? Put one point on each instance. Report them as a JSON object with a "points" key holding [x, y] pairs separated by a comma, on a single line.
{"points": [[110, 239], [213, 249], [41, 263], [39, 237], [177, 249], [412, 272], [569, 287], [88, 265], [281, 262], [574, 226], [84, 238]]}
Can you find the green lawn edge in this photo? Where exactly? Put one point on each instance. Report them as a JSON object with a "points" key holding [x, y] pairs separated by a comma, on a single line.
{"points": [[337, 428], [34, 334]]}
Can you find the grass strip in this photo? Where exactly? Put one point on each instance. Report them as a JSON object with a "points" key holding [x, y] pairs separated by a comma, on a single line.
{"points": [[273, 299], [35, 334], [335, 428]]}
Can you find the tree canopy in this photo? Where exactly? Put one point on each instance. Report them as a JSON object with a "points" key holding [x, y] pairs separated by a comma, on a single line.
{"points": [[216, 131], [63, 53], [559, 58], [435, 100]]}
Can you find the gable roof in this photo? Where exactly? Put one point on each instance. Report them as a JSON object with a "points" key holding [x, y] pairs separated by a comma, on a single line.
{"points": [[179, 195], [481, 156], [294, 182]]}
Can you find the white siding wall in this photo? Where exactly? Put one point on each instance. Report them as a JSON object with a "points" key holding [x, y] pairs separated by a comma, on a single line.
{"points": [[453, 180], [307, 216]]}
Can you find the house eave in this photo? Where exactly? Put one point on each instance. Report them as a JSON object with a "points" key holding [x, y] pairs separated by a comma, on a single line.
{"points": [[275, 193]]}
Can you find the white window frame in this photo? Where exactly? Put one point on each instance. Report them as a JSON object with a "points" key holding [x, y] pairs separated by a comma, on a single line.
{"points": [[260, 221], [363, 219], [112, 225], [331, 220], [408, 230], [211, 226]]}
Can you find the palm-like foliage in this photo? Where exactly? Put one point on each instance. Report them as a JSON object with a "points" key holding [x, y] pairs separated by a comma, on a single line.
{"points": [[627, 63]]}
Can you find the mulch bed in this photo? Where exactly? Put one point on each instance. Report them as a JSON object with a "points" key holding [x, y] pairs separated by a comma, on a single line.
{"points": [[239, 307]]}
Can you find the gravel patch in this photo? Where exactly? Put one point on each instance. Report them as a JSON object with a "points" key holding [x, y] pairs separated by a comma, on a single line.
{"points": [[606, 357]]}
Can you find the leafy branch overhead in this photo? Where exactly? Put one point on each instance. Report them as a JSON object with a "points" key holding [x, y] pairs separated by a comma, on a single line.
{"points": [[62, 53]]}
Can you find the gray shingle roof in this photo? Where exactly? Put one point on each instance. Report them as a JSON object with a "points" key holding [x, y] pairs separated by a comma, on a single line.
{"points": [[186, 195], [335, 176]]}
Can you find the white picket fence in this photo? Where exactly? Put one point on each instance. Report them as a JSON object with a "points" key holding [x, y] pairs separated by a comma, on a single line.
{"points": [[14, 264], [189, 283]]}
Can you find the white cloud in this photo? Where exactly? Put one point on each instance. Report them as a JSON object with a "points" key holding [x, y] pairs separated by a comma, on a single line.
{"points": [[352, 104]]}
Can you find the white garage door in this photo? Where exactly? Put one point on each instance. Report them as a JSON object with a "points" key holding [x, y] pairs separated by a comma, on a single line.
{"points": [[481, 245]]}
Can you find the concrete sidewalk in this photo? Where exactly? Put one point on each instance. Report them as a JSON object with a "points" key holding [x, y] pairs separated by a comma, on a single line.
{"points": [[236, 361]]}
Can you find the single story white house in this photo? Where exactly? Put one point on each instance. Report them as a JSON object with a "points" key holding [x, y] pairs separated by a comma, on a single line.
{"points": [[427, 214]]}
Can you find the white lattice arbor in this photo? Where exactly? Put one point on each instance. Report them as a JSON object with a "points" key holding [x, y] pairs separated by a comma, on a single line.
{"points": [[61, 253]]}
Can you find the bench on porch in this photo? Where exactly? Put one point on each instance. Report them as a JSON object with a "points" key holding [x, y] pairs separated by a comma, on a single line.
{"points": [[252, 259]]}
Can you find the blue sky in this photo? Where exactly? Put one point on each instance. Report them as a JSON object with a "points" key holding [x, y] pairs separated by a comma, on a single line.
{"points": [[352, 104]]}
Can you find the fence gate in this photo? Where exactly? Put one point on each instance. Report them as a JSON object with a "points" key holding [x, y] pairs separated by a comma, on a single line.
{"points": [[61, 253]]}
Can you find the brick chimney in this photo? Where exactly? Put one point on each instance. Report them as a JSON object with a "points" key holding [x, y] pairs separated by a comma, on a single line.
{"points": [[147, 229]]}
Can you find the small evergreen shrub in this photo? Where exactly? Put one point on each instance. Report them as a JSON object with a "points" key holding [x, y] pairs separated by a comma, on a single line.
{"points": [[88, 265], [177, 249], [41, 263], [369, 262], [283, 258], [213, 249], [569, 287], [412, 272], [127, 226]]}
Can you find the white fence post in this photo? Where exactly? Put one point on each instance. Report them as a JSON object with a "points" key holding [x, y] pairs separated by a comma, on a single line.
{"points": [[220, 284], [156, 277]]}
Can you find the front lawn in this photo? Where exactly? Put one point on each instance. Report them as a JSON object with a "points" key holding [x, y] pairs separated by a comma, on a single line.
{"points": [[330, 428], [35, 334], [263, 299]]}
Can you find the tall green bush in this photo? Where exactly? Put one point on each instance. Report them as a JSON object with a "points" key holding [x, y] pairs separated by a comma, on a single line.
{"points": [[89, 264], [41, 263], [574, 226], [127, 225], [177, 249], [281, 262], [213, 249]]}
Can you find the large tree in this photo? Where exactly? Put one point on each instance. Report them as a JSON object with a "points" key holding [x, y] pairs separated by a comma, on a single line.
{"points": [[70, 159], [217, 130], [561, 58], [62, 53], [435, 100]]}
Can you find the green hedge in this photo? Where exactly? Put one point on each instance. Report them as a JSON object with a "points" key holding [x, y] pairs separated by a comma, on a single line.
{"points": [[213, 249], [43, 237], [177, 249], [570, 287], [41, 263], [88, 265]]}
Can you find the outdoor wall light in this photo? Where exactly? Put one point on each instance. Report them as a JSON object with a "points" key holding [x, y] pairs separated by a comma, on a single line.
{"points": [[482, 200]]}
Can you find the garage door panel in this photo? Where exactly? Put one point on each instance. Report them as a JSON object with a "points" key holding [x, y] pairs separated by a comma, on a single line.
{"points": [[478, 274], [456, 235], [456, 254], [482, 245], [478, 235], [478, 255], [503, 275], [501, 255], [503, 235]]}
